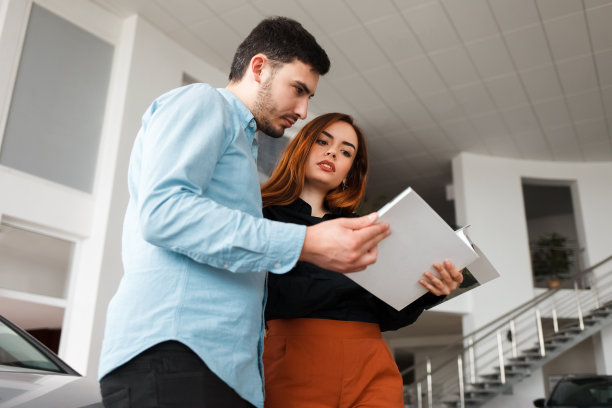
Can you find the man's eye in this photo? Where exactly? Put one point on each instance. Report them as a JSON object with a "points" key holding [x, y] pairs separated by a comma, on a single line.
{"points": [[299, 91]]}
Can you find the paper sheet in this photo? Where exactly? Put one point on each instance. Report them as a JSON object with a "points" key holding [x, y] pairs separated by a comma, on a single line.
{"points": [[419, 238]]}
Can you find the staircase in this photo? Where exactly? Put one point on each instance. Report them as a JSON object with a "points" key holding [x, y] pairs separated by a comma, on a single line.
{"points": [[491, 360]]}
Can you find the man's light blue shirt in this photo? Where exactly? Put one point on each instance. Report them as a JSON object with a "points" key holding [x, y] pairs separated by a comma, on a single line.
{"points": [[195, 246]]}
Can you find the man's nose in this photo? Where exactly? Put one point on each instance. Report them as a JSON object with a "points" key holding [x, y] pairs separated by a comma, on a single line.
{"points": [[301, 110]]}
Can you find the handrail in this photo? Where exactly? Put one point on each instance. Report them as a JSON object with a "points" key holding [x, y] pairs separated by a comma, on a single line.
{"points": [[503, 319]]}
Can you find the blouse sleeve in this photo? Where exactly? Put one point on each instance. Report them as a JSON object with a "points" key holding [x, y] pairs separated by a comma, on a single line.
{"points": [[391, 319]]}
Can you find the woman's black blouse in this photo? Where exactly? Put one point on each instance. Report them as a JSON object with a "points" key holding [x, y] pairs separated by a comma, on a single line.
{"points": [[312, 292]]}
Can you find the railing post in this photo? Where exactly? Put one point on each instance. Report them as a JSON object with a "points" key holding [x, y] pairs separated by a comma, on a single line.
{"points": [[580, 320], [513, 338], [472, 360], [429, 386], [419, 395], [595, 285], [540, 333], [554, 315], [461, 389], [502, 367]]}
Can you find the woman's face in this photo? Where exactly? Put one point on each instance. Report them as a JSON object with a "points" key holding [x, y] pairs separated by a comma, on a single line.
{"points": [[331, 156]]}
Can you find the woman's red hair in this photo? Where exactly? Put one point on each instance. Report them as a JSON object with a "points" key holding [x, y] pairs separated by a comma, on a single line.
{"points": [[287, 181]]}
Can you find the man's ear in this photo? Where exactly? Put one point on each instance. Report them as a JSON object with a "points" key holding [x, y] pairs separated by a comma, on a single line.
{"points": [[258, 62]]}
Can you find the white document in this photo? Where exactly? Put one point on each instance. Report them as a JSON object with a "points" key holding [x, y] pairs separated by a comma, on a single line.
{"points": [[419, 238]]}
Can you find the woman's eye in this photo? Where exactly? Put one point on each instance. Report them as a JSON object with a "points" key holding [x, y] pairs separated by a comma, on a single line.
{"points": [[346, 154], [321, 142]]}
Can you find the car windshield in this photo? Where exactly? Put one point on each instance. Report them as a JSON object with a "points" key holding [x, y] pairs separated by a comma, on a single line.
{"points": [[15, 351], [583, 392]]}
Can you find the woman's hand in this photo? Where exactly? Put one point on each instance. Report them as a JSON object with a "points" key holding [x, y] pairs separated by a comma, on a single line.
{"points": [[448, 279]]}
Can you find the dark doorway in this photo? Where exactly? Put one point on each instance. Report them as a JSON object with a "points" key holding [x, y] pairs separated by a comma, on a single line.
{"points": [[553, 236]]}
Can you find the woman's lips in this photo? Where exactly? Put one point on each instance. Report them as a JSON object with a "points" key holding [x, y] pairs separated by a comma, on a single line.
{"points": [[327, 166]]}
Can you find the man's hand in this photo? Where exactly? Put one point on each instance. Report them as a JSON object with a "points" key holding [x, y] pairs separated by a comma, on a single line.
{"points": [[448, 279], [344, 244]]}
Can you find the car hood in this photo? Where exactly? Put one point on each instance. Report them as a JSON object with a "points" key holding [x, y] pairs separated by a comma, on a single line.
{"points": [[48, 390]]}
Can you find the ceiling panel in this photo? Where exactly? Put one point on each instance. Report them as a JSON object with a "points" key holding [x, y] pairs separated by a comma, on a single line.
{"points": [[603, 61], [564, 143], [358, 47], [528, 47], [542, 83], [381, 121], [395, 38], [188, 12], [474, 99], [242, 19], [432, 37], [532, 145], [598, 151], [430, 78], [368, 10], [585, 106], [443, 106], [463, 14], [413, 113], [422, 76], [515, 14], [553, 113], [490, 126], [592, 131], [599, 26], [507, 91], [388, 83], [502, 146], [455, 66], [521, 119], [159, 16], [331, 16], [578, 75], [550, 9], [568, 36], [491, 57]]}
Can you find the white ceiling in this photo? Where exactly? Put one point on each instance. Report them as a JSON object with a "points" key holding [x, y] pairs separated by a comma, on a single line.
{"points": [[427, 79]]}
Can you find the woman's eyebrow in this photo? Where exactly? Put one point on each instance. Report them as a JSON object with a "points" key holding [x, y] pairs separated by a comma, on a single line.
{"points": [[345, 143]]}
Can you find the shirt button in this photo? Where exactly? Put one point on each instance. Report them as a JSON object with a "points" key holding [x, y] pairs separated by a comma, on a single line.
{"points": [[226, 266], [277, 265], [252, 125]]}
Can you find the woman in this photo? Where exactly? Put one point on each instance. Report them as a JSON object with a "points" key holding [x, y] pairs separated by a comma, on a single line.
{"points": [[323, 346]]}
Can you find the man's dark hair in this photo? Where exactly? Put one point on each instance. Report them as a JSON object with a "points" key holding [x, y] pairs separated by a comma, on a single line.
{"points": [[282, 40]]}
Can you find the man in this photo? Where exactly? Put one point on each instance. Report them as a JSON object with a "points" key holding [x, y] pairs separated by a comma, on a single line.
{"points": [[185, 327]]}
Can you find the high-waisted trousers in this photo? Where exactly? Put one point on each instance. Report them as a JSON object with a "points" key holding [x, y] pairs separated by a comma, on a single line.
{"points": [[319, 363]]}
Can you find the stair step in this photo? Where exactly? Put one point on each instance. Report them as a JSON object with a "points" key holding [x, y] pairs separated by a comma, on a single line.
{"points": [[490, 385], [522, 364]]}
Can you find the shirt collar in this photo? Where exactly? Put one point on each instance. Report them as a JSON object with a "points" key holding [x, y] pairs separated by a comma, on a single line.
{"points": [[245, 115]]}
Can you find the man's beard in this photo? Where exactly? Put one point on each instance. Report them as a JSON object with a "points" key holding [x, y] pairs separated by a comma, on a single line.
{"points": [[264, 109]]}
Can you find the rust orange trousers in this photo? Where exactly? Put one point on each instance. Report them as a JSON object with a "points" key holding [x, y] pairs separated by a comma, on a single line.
{"points": [[319, 363]]}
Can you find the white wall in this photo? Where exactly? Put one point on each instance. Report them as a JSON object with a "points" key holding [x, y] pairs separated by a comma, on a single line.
{"points": [[488, 195]]}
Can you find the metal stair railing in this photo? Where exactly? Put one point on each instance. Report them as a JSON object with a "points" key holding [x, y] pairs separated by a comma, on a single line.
{"points": [[491, 359]]}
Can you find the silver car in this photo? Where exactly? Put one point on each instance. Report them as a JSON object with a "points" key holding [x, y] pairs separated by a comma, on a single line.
{"points": [[32, 376]]}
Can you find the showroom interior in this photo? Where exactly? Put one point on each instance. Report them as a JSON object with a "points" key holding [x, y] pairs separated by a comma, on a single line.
{"points": [[497, 112]]}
